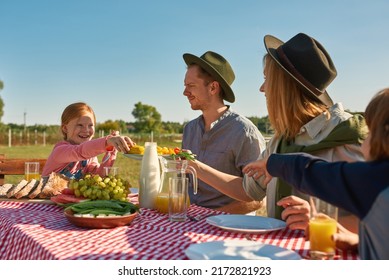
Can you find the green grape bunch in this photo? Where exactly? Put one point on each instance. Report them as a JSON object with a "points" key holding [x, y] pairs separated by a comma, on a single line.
{"points": [[95, 187]]}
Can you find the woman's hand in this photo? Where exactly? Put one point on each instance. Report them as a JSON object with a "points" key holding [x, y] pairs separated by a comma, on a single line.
{"points": [[296, 212]]}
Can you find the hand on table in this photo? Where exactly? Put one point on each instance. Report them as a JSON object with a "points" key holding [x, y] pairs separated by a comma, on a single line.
{"points": [[296, 212]]}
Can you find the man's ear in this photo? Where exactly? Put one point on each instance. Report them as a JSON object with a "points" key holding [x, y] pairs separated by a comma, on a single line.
{"points": [[215, 86]]}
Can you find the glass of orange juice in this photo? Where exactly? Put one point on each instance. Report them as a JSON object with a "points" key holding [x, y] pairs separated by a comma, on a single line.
{"points": [[31, 171], [178, 199], [322, 225], [162, 202]]}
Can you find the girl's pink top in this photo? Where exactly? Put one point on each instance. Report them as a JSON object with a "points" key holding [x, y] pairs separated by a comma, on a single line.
{"points": [[81, 158]]}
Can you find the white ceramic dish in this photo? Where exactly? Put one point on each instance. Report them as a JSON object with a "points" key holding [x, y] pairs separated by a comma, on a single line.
{"points": [[239, 250], [134, 156], [246, 223], [134, 190], [139, 157]]}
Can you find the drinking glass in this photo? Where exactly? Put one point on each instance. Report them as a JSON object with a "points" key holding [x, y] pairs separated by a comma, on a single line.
{"points": [[178, 195], [322, 225], [31, 171]]}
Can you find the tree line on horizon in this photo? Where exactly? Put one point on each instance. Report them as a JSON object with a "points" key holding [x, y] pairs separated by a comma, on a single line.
{"points": [[147, 120]]}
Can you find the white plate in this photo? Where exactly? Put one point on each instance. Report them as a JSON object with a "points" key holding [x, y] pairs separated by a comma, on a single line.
{"points": [[246, 223], [134, 156], [239, 250], [139, 157], [134, 190]]}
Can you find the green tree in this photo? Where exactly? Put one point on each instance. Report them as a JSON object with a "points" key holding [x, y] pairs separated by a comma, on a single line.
{"points": [[263, 124], [122, 126], [108, 126], [147, 118], [171, 127]]}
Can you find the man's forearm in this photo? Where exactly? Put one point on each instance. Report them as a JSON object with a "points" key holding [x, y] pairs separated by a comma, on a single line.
{"points": [[225, 183]]}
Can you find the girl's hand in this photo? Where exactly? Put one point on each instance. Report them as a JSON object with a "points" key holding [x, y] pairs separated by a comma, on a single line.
{"points": [[115, 133], [120, 143]]}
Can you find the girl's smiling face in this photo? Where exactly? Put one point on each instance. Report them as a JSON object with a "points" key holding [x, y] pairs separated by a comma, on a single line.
{"points": [[80, 129]]}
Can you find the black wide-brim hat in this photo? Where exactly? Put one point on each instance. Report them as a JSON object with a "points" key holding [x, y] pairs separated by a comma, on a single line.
{"points": [[218, 67], [306, 61]]}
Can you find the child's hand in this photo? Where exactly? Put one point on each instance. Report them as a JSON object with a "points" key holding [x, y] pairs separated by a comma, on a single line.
{"points": [[256, 169], [121, 143]]}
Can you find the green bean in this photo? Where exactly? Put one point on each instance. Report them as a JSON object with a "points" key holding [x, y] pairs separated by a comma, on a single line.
{"points": [[119, 207], [97, 212]]}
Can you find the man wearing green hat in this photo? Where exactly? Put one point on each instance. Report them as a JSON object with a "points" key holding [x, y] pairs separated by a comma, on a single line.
{"points": [[220, 137]]}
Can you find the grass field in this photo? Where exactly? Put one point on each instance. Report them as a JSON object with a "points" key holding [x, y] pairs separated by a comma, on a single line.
{"points": [[129, 169]]}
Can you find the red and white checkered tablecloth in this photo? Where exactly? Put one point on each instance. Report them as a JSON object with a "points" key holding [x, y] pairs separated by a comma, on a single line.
{"points": [[41, 231]]}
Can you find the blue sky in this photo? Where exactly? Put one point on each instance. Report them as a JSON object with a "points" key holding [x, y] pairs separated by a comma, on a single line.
{"points": [[113, 54]]}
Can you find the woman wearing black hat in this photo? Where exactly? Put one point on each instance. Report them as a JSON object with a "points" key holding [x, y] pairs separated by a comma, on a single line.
{"points": [[304, 119], [361, 187]]}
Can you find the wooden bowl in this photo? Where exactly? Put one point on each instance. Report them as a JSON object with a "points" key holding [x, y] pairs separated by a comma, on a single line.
{"points": [[100, 222]]}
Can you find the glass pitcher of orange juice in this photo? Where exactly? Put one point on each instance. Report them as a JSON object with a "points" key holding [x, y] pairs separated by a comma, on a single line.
{"points": [[172, 169]]}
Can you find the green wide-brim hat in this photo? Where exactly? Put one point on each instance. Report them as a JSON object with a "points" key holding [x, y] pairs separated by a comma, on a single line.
{"points": [[305, 60], [218, 67]]}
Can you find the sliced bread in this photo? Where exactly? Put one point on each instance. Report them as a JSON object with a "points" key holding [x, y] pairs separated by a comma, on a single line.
{"points": [[16, 189], [27, 189], [5, 188]]}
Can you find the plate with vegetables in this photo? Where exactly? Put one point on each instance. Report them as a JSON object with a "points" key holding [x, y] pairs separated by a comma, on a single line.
{"points": [[136, 152], [100, 214]]}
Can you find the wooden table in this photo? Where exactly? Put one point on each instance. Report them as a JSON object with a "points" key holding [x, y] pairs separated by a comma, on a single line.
{"points": [[40, 231]]}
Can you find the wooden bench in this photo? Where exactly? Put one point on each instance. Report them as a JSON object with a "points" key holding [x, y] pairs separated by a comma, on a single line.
{"points": [[15, 166]]}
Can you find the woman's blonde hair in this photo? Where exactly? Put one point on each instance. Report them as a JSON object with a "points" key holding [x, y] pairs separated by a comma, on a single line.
{"points": [[288, 105], [75, 110], [377, 119]]}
